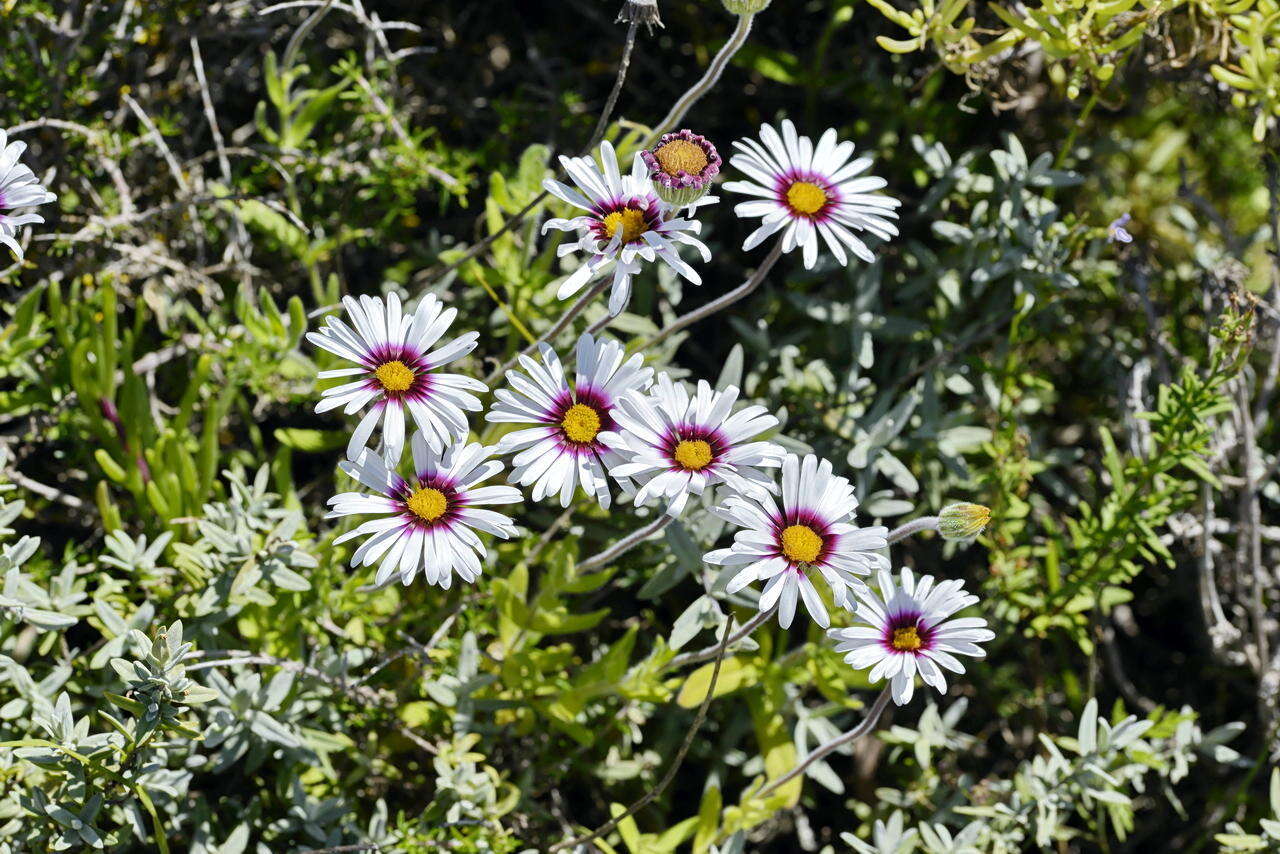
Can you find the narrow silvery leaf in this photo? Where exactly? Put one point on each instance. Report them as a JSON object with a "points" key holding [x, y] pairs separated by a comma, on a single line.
{"points": [[1089, 727]]}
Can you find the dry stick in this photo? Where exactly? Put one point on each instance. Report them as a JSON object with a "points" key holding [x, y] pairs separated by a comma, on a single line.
{"points": [[671, 769], [867, 725], [224, 163], [295, 41], [924, 523], [1251, 536], [174, 168], [720, 302]]}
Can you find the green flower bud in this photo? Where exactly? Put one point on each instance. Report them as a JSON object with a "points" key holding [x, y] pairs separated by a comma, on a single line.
{"points": [[962, 523], [745, 7]]}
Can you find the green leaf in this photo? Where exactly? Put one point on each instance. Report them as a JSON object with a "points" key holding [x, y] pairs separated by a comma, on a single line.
{"points": [[734, 674]]}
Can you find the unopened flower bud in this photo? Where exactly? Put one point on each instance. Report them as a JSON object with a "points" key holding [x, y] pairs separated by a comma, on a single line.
{"points": [[681, 167], [745, 7], [962, 523]]}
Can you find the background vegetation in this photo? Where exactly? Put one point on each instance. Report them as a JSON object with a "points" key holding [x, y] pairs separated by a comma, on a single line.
{"points": [[186, 662]]}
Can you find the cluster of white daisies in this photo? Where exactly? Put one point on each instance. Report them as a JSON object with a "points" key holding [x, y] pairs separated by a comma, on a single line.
{"points": [[616, 426]]}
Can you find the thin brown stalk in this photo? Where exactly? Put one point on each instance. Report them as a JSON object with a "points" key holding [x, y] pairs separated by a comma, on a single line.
{"points": [[671, 769], [723, 301], [867, 725]]}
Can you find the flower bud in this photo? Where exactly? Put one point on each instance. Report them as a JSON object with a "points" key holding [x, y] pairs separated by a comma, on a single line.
{"points": [[745, 7], [962, 523], [681, 167]]}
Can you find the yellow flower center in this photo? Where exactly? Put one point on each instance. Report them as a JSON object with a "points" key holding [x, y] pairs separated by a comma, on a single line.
{"points": [[806, 197], [630, 220], [693, 454], [907, 640], [681, 155], [394, 376], [580, 424], [801, 544], [428, 504]]}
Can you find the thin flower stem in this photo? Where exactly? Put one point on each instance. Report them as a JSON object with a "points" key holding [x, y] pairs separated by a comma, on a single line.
{"points": [[709, 652], [677, 113], [867, 725], [483, 243], [612, 101], [601, 125], [671, 769], [709, 79], [626, 544], [720, 302], [558, 327], [599, 559], [915, 526], [595, 328]]}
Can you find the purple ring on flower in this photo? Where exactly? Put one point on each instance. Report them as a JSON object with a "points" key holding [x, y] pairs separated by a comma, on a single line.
{"points": [[595, 404], [431, 500], [682, 166]]}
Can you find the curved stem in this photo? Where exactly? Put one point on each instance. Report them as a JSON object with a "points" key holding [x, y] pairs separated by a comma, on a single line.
{"points": [[556, 328], [601, 124], [594, 329], [483, 243], [722, 301], [924, 523], [671, 769], [709, 78], [709, 652], [626, 544], [867, 725]]}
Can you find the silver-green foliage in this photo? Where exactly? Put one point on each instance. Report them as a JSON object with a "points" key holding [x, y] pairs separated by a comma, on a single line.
{"points": [[1098, 777]]}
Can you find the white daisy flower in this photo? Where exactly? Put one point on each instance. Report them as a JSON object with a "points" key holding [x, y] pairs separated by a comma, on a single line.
{"points": [[429, 521], [808, 192], [625, 223], [678, 445], [811, 531], [566, 448], [399, 370], [908, 631], [19, 188]]}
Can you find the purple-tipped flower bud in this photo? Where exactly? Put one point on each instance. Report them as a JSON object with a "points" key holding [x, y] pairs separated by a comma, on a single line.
{"points": [[681, 167]]}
